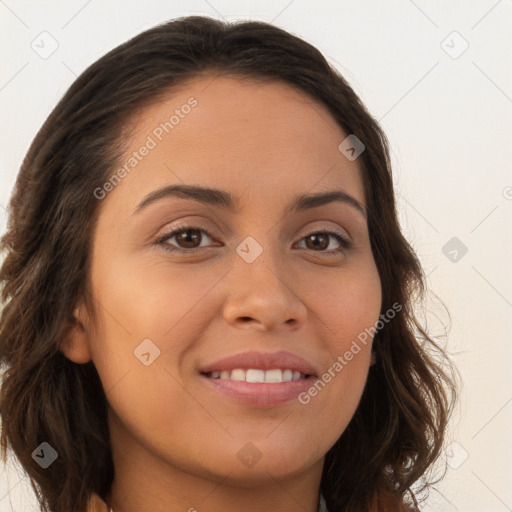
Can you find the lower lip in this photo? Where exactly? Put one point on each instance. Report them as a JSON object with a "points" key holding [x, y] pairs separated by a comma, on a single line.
{"points": [[261, 394]]}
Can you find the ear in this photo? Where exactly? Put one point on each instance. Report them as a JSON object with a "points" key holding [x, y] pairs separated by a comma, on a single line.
{"points": [[373, 358], [75, 346]]}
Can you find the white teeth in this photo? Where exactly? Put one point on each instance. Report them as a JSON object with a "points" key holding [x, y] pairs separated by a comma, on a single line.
{"points": [[257, 376], [274, 376], [287, 375], [238, 374]]}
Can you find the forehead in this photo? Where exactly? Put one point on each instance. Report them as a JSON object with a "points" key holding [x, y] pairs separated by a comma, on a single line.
{"points": [[238, 135]]}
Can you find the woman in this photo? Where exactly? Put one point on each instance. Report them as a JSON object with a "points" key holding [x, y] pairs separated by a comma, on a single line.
{"points": [[208, 298]]}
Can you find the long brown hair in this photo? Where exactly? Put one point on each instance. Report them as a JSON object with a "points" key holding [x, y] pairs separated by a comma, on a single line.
{"points": [[397, 431]]}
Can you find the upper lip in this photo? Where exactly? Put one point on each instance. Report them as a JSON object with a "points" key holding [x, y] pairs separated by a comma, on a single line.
{"points": [[261, 360]]}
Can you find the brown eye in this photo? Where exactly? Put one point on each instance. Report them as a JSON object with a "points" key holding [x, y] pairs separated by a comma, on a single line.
{"points": [[189, 238], [186, 239], [317, 241], [322, 240]]}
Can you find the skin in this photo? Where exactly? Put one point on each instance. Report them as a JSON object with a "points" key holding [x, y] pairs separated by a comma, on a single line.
{"points": [[175, 440]]}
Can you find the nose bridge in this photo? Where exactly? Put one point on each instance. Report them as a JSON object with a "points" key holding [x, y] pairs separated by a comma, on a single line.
{"points": [[261, 288], [261, 261]]}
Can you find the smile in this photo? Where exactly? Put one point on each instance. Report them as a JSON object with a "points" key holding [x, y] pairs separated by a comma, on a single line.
{"points": [[260, 379], [275, 375]]}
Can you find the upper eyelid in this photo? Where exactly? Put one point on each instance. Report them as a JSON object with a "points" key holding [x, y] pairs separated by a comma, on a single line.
{"points": [[346, 225], [192, 225]]}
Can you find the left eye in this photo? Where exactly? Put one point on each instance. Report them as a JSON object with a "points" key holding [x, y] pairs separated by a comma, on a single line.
{"points": [[189, 239], [320, 240]]}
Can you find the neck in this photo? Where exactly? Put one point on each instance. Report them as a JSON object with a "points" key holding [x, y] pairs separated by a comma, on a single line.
{"points": [[140, 493], [145, 482]]}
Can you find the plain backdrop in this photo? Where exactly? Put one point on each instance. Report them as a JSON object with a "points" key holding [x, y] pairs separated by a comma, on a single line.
{"points": [[438, 77]]}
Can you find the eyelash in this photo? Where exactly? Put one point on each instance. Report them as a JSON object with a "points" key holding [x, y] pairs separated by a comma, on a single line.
{"points": [[345, 244]]}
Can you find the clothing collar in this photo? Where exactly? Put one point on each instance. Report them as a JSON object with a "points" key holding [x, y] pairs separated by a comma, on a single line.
{"points": [[322, 507]]}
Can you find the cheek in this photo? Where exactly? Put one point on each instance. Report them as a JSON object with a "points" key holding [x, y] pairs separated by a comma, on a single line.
{"points": [[347, 306], [151, 299], [347, 303], [140, 301]]}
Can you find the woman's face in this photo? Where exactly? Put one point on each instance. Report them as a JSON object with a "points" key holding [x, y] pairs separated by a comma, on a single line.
{"points": [[254, 281]]}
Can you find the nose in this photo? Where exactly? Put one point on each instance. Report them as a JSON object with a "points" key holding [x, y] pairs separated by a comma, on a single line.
{"points": [[263, 295]]}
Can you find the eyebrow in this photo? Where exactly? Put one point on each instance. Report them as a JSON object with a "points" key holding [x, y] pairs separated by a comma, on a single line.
{"points": [[224, 199]]}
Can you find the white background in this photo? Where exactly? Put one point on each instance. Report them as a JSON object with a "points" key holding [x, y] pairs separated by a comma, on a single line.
{"points": [[448, 120]]}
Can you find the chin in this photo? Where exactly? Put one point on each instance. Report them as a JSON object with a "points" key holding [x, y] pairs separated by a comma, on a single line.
{"points": [[250, 463]]}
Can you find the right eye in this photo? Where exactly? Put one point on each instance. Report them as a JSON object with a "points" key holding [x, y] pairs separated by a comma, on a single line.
{"points": [[186, 239]]}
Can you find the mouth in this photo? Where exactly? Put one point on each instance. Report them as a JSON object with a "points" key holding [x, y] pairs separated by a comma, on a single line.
{"points": [[260, 379], [256, 375]]}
